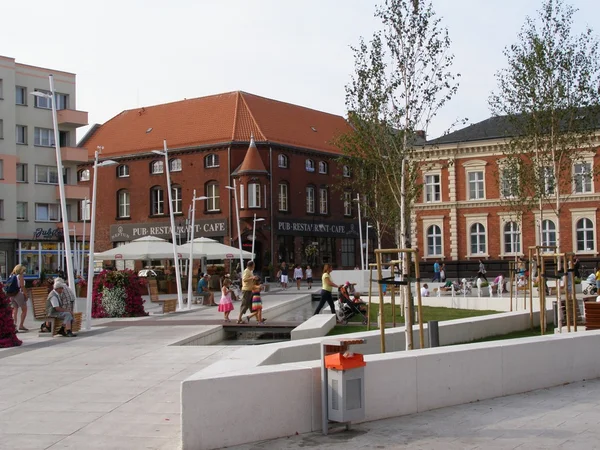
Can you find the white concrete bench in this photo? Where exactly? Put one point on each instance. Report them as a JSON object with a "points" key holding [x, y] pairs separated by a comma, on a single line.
{"points": [[317, 326]]}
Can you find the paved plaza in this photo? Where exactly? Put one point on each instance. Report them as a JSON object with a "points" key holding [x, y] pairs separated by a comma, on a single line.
{"points": [[119, 388]]}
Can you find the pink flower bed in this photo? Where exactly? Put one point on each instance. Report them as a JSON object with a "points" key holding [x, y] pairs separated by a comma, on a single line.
{"points": [[8, 331], [133, 286]]}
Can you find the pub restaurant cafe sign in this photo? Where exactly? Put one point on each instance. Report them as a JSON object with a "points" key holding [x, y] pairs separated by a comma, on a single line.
{"points": [[203, 228]]}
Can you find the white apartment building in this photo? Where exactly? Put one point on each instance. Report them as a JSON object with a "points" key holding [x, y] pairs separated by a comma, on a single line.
{"points": [[30, 215]]}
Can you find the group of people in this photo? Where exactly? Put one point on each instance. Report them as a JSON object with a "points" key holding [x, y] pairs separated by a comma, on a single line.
{"points": [[298, 275], [59, 303]]}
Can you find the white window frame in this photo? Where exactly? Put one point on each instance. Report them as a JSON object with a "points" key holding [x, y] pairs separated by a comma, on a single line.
{"points": [[310, 199], [84, 175], [502, 181], [176, 200], [42, 102], [24, 169], [584, 213], [213, 202], [309, 165], [22, 215], [430, 184], [518, 234], [22, 89], [427, 222], [157, 201], [123, 171], [86, 210], [282, 161], [346, 172], [123, 204], [157, 167], [53, 212], [211, 161], [347, 203], [21, 134], [588, 183], [175, 165], [471, 167], [242, 197], [470, 220], [323, 167], [323, 201], [283, 199], [548, 173], [253, 195], [62, 100], [43, 137], [49, 171], [545, 233]]}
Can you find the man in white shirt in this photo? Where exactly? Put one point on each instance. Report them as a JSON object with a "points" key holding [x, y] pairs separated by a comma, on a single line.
{"points": [[425, 290], [54, 309]]}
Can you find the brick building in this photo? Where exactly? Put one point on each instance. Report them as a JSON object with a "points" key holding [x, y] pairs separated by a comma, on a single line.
{"points": [[460, 217], [280, 156]]}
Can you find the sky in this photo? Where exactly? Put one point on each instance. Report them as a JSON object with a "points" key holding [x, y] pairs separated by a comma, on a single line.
{"points": [[133, 53]]}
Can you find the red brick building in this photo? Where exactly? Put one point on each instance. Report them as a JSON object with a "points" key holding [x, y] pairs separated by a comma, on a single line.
{"points": [[280, 155], [460, 216]]}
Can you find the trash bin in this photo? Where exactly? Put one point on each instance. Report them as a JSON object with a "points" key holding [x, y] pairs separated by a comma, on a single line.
{"points": [[345, 386]]}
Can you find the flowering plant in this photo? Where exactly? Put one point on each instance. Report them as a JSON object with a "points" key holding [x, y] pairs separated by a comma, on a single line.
{"points": [[118, 294], [8, 331]]}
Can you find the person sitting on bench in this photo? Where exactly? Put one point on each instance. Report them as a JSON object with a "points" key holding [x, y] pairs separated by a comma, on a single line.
{"points": [[53, 309], [67, 300], [203, 291]]}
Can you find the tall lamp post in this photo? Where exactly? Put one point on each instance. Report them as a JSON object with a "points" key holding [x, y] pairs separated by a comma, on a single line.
{"points": [[191, 259], [90, 279], [165, 153], [362, 257], [237, 210], [61, 182], [367, 247], [260, 219]]}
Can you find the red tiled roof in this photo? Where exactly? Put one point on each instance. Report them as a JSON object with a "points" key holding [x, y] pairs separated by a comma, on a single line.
{"points": [[217, 119], [252, 162]]}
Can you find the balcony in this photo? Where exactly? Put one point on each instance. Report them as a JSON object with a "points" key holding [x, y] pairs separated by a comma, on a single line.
{"points": [[72, 117], [73, 192], [74, 154]]}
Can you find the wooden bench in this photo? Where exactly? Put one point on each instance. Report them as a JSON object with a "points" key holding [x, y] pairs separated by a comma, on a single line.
{"points": [[168, 305], [592, 315], [39, 296]]}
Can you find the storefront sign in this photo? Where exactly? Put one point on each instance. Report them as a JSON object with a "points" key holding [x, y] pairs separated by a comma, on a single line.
{"points": [[202, 228], [317, 228], [41, 234]]}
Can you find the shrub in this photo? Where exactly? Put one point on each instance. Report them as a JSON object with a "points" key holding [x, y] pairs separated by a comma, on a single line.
{"points": [[118, 294], [8, 331]]}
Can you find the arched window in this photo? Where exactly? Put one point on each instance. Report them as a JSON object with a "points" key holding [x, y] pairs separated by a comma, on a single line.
{"points": [[212, 192], [177, 203], [323, 167], [84, 175], [157, 201], [310, 165], [347, 203], [585, 235], [282, 161], [310, 199], [175, 165], [123, 171], [512, 238], [323, 200], [283, 196], [346, 171], [477, 239], [548, 234], [157, 167], [253, 195], [434, 240], [211, 161], [123, 204]]}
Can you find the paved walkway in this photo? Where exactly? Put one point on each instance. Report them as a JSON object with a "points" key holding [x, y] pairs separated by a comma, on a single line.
{"points": [[564, 417]]}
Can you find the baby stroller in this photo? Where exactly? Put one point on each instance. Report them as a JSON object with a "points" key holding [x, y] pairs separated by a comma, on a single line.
{"points": [[347, 308]]}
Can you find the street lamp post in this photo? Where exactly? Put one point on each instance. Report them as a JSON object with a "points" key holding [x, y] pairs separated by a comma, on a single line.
{"points": [[90, 279], [362, 257], [191, 258], [254, 233], [367, 247], [165, 153], [237, 210], [61, 182]]}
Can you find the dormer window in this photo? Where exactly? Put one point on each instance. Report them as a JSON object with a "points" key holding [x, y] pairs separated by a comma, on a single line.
{"points": [[157, 167], [322, 167], [211, 161], [123, 171], [175, 165], [282, 161], [310, 165]]}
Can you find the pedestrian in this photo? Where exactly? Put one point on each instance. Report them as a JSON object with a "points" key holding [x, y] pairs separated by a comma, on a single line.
{"points": [[19, 300], [298, 275], [256, 303], [576, 268], [326, 288], [284, 275], [203, 291], [247, 285], [225, 304], [481, 273], [425, 290], [309, 277], [598, 278], [53, 309], [443, 273], [436, 272]]}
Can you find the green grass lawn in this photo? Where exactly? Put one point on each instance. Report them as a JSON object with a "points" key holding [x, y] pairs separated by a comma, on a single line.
{"points": [[516, 335], [429, 313]]}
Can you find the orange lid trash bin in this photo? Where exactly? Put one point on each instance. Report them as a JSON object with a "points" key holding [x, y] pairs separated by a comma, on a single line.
{"points": [[338, 361]]}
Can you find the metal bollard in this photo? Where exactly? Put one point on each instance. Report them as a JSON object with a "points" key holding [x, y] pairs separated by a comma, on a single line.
{"points": [[434, 333]]}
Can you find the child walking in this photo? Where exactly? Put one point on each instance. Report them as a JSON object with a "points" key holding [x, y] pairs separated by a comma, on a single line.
{"points": [[256, 303], [309, 278], [225, 304]]}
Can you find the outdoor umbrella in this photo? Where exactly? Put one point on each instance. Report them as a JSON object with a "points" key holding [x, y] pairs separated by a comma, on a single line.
{"points": [[211, 249], [143, 249]]}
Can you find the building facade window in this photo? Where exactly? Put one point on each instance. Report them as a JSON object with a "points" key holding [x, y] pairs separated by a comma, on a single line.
{"points": [[253, 195], [548, 234], [84, 175], [310, 165], [175, 165], [509, 184], [323, 167], [434, 241], [323, 201], [157, 167], [47, 212], [46, 175], [157, 201], [433, 188], [242, 197], [43, 137], [212, 192], [476, 185], [348, 252], [582, 178], [21, 134], [310, 199], [346, 172], [21, 95], [123, 204], [211, 161], [22, 173], [347, 203], [585, 235], [22, 211], [176, 200], [512, 238], [283, 197], [549, 180], [85, 212], [282, 161], [477, 234], [123, 171], [42, 102], [62, 101]]}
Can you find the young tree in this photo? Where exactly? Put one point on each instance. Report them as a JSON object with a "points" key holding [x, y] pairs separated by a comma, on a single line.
{"points": [[402, 78], [549, 97]]}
